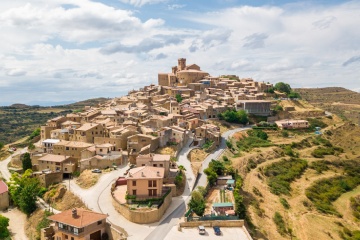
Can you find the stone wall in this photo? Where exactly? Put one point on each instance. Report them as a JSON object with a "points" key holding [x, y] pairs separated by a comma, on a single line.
{"points": [[219, 223], [115, 232], [50, 178], [151, 216]]}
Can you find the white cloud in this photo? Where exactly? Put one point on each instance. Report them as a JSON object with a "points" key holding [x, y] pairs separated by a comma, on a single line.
{"points": [[61, 49], [176, 6], [140, 3]]}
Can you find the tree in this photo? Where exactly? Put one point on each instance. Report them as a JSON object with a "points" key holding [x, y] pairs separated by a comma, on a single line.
{"points": [[283, 87], [4, 231], [35, 133], [1, 145], [31, 146], [233, 116], [229, 144], [178, 98], [217, 166], [182, 168], [197, 203], [211, 175], [202, 190], [26, 162], [23, 190]]}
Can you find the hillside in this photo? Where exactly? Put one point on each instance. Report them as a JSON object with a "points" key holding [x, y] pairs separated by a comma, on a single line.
{"points": [[281, 176], [20, 120], [341, 101]]}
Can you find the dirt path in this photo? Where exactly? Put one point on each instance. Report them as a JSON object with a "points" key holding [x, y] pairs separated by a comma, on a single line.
{"points": [[16, 223], [342, 205]]}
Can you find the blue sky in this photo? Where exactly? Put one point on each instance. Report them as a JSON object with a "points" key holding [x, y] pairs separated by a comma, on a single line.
{"points": [[66, 50]]}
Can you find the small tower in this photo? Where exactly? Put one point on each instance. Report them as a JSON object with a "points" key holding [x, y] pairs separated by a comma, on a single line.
{"points": [[181, 64]]}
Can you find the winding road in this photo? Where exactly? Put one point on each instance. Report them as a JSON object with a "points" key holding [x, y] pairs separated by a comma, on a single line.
{"points": [[98, 198]]}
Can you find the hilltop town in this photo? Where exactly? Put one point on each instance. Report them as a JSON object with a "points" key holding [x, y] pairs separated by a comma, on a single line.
{"points": [[140, 144]]}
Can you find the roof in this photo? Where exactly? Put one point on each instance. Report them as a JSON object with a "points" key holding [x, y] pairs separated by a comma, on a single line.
{"points": [[87, 126], [161, 157], [74, 144], [3, 187], [51, 141], [224, 177], [53, 158], [82, 219], [146, 172], [230, 181], [224, 204]]}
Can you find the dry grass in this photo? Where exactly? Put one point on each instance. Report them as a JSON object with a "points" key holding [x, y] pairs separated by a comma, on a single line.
{"points": [[170, 150], [32, 222], [196, 157], [87, 179], [4, 154], [69, 201]]}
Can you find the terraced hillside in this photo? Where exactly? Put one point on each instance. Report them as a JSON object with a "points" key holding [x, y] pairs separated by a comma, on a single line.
{"points": [[341, 101]]}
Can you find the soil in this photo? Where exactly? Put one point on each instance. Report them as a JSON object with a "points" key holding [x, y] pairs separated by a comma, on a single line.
{"points": [[197, 156], [16, 223], [32, 222], [62, 199], [87, 179]]}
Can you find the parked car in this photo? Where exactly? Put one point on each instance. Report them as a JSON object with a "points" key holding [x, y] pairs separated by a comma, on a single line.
{"points": [[96, 170], [217, 230], [202, 230]]}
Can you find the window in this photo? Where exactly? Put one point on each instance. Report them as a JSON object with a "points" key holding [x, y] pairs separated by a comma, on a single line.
{"points": [[99, 222], [66, 237], [155, 165], [72, 238], [134, 192], [67, 148], [161, 165], [152, 183], [134, 183]]}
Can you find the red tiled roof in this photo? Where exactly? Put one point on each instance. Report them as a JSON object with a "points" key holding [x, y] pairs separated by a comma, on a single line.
{"points": [[83, 217], [3, 187]]}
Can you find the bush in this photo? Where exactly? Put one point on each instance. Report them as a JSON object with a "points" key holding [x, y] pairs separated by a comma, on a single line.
{"points": [[229, 144], [280, 224], [321, 151], [233, 116], [320, 166], [289, 151], [355, 206], [4, 231], [314, 122], [323, 192], [282, 173], [285, 203], [284, 133]]}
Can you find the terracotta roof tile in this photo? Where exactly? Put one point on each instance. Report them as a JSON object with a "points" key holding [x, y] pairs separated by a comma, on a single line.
{"points": [[82, 219]]}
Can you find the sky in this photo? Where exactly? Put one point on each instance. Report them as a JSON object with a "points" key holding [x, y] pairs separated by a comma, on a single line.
{"points": [[59, 51]]}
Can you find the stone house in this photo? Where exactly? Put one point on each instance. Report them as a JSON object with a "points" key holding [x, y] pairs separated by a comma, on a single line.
{"points": [[57, 163], [70, 148], [87, 132], [292, 124], [256, 107]]}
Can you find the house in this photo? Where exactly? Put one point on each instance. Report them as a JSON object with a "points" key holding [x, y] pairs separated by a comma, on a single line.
{"points": [[221, 208], [256, 107], [145, 182], [100, 156], [70, 148], [48, 144], [57, 163], [292, 124], [87, 132], [222, 180], [76, 224], [154, 160], [4, 196]]}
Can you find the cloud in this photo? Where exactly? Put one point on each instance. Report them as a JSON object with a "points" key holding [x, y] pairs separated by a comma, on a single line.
{"points": [[15, 72], [324, 23], [145, 45], [175, 6], [256, 40], [140, 3], [160, 56], [351, 60], [210, 39]]}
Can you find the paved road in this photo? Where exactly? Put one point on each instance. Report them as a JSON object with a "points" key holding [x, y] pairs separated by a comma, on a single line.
{"points": [[165, 226], [4, 164], [98, 198]]}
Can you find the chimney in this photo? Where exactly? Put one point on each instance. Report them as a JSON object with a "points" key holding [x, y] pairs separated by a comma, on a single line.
{"points": [[142, 174], [74, 212]]}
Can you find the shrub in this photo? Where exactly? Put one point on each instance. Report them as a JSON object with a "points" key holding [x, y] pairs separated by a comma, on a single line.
{"points": [[284, 133], [229, 144], [320, 166], [280, 224], [289, 151], [355, 206], [285, 203], [257, 192], [282, 173], [233, 116]]}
